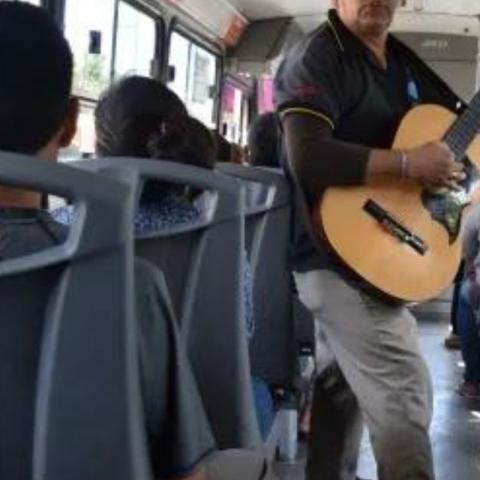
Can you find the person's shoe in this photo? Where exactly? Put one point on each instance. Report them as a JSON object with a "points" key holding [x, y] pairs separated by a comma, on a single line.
{"points": [[470, 390], [452, 342]]}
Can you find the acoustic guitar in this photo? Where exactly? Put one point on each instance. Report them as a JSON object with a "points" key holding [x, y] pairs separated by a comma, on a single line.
{"points": [[403, 239]]}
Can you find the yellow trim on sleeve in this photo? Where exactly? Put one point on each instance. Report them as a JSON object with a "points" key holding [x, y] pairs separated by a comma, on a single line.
{"points": [[307, 111]]}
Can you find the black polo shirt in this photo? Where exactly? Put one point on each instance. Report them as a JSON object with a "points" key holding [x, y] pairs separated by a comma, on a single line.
{"points": [[334, 76]]}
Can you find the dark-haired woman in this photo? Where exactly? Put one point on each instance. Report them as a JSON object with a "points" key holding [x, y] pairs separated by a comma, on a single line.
{"points": [[140, 117]]}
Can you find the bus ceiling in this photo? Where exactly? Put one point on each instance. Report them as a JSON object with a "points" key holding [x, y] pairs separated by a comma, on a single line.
{"points": [[256, 9], [274, 26], [227, 21]]}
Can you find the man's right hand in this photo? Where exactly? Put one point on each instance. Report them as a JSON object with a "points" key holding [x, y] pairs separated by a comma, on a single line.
{"points": [[434, 164]]}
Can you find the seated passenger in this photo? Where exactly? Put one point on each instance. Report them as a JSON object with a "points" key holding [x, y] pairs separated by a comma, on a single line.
{"points": [[468, 312], [263, 141], [140, 117], [38, 116]]}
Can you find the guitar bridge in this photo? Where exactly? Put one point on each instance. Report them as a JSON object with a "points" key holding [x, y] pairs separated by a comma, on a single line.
{"points": [[394, 227]]}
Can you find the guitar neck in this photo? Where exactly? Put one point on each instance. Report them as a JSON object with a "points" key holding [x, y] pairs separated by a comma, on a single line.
{"points": [[464, 130]]}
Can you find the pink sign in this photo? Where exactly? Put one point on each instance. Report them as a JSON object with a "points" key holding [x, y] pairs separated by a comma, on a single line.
{"points": [[265, 94], [228, 102]]}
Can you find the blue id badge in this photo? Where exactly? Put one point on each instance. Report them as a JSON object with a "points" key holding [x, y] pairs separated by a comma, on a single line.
{"points": [[412, 92]]}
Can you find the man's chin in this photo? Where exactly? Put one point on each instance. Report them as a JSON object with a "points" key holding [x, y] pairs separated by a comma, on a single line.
{"points": [[376, 27]]}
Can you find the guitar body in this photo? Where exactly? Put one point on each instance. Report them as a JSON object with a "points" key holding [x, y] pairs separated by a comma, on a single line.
{"points": [[381, 258]]}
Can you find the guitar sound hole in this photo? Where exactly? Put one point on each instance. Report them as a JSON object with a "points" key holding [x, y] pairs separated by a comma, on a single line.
{"points": [[446, 206]]}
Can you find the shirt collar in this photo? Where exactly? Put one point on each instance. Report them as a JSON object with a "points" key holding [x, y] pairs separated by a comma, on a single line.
{"points": [[349, 43]]}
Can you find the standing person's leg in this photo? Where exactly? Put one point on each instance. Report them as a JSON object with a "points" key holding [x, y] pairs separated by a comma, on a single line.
{"points": [[453, 339], [470, 342], [376, 347], [336, 429], [455, 304], [336, 423]]}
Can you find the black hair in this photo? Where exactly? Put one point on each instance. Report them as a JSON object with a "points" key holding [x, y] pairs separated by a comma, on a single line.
{"points": [[36, 78], [263, 140], [132, 112], [188, 141], [141, 117], [185, 141]]}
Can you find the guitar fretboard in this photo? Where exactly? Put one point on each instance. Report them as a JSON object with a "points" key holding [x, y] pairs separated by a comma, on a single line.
{"points": [[464, 130]]}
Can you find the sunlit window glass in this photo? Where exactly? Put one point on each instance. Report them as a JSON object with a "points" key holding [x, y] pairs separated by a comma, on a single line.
{"points": [[136, 39], [89, 29], [195, 77]]}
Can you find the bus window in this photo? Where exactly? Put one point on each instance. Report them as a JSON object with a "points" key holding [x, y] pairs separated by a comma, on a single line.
{"points": [[84, 141], [235, 113], [89, 29], [136, 41], [195, 77], [179, 59]]}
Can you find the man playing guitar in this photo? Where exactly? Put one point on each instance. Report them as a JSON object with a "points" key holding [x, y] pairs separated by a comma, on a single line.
{"points": [[341, 95]]}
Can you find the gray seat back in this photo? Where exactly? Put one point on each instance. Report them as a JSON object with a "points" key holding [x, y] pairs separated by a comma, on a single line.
{"points": [[267, 223], [202, 264], [69, 396]]}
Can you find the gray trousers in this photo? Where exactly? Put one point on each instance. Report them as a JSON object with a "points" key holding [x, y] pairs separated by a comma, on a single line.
{"points": [[370, 370]]}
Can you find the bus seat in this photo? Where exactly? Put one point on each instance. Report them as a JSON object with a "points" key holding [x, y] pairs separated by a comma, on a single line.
{"points": [[202, 266], [273, 349], [267, 225], [69, 393]]}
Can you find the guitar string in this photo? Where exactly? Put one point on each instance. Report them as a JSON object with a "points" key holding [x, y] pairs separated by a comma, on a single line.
{"points": [[465, 128]]}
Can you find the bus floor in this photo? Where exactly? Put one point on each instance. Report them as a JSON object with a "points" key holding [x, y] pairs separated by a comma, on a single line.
{"points": [[456, 423]]}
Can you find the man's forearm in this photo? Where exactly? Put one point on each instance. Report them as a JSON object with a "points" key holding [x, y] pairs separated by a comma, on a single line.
{"points": [[320, 161], [384, 163]]}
